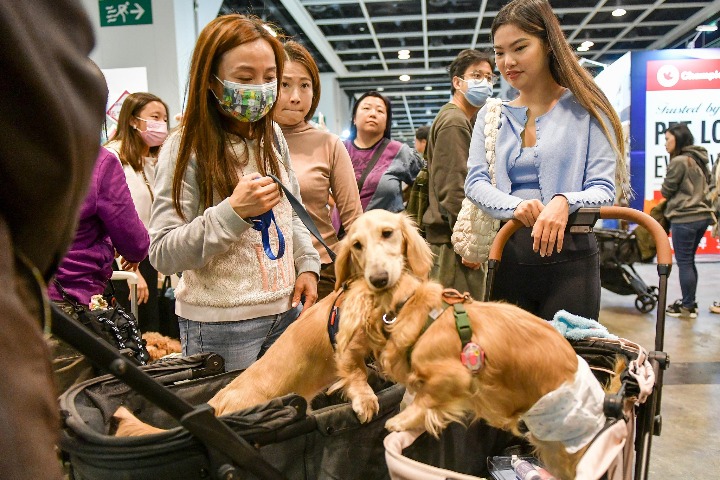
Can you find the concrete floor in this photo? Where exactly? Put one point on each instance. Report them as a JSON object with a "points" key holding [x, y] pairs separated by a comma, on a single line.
{"points": [[689, 444]]}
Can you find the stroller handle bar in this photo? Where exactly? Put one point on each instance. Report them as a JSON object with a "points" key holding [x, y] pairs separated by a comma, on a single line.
{"points": [[584, 219]]}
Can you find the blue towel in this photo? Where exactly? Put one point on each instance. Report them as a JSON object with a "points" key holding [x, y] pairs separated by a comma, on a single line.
{"points": [[575, 327]]}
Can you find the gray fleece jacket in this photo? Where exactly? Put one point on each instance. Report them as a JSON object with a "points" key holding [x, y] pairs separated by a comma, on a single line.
{"points": [[686, 187], [226, 274]]}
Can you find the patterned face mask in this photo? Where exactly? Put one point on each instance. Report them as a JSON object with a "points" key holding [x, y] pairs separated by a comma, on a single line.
{"points": [[246, 102]]}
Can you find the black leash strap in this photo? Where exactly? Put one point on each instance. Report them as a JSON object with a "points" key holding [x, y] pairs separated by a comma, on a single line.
{"points": [[304, 216], [376, 156], [225, 447]]}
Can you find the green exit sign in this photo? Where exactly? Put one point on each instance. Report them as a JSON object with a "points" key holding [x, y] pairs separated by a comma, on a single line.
{"points": [[117, 13]]}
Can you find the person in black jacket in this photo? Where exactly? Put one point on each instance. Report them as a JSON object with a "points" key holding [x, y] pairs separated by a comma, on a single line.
{"points": [[686, 187]]}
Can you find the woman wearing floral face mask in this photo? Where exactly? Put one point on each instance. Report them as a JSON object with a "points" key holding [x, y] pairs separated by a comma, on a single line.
{"points": [[142, 128], [238, 293]]}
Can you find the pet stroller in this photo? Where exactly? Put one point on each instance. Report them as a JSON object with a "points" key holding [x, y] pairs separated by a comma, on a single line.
{"points": [[622, 449], [281, 439], [618, 251]]}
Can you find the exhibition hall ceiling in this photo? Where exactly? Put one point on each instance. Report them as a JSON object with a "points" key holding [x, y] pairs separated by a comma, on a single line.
{"points": [[361, 40]]}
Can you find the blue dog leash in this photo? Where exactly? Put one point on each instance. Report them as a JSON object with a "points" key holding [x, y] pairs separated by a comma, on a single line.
{"points": [[302, 214], [262, 224]]}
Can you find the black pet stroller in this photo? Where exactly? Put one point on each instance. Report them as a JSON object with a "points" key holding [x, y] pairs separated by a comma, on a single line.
{"points": [[278, 440], [413, 456], [618, 251]]}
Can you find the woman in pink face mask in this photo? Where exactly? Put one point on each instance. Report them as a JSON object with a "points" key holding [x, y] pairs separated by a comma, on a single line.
{"points": [[142, 128]]}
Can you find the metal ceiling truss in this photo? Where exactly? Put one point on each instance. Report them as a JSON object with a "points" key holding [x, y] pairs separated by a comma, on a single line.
{"points": [[360, 40]]}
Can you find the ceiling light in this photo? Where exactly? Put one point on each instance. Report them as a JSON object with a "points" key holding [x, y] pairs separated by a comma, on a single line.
{"points": [[428, 112], [583, 49], [619, 12], [404, 52], [404, 77], [587, 43], [380, 89], [428, 88], [706, 28]]}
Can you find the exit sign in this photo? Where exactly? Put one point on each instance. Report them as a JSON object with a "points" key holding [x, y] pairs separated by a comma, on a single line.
{"points": [[117, 13]]}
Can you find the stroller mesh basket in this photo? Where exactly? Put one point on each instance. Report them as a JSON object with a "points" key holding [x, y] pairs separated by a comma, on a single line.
{"points": [[326, 442]]}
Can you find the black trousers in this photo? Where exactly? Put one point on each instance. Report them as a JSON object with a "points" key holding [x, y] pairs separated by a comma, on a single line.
{"points": [[148, 313], [569, 280]]}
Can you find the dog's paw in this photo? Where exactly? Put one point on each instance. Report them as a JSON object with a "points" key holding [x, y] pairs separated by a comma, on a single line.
{"points": [[396, 424], [366, 407]]}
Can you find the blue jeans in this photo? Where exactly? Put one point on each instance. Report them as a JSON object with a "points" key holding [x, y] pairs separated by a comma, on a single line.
{"points": [[239, 343], [685, 239]]}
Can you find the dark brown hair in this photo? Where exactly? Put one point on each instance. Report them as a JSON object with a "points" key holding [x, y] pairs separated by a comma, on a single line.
{"points": [[465, 59], [536, 18], [388, 114], [204, 133], [132, 146], [683, 137], [297, 53]]}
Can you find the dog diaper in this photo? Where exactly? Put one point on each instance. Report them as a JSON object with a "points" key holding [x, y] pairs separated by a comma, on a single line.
{"points": [[572, 414]]}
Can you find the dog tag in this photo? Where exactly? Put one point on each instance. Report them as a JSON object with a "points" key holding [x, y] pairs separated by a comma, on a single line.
{"points": [[473, 357]]}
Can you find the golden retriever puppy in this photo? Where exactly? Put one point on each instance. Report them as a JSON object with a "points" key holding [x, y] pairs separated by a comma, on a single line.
{"points": [[302, 360], [525, 358]]}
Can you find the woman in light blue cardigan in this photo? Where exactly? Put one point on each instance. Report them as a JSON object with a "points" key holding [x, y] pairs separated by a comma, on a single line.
{"points": [[559, 147]]}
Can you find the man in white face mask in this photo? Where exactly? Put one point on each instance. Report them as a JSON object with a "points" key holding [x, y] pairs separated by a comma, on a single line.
{"points": [[448, 143]]}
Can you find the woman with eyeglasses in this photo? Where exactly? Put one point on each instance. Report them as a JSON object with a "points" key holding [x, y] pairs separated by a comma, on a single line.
{"points": [[247, 259], [559, 147], [471, 77]]}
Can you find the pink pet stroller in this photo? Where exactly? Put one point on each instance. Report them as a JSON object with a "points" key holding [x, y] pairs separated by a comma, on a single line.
{"points": [[621, 451]]}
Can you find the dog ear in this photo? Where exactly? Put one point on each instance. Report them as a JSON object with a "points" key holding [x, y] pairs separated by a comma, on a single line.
{"points": [[343, 263], [417, 251]]}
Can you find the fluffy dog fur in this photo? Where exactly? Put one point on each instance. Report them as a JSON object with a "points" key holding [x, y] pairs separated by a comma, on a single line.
{"points": [[159, 345], [380, 249], [525, 358]]}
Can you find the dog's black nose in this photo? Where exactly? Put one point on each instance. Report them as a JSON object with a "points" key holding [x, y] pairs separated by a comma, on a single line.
{"points": [[379, 280]]}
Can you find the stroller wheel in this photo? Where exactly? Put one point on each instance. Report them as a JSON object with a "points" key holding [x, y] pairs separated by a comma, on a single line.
{"points": [[645, 303], [654, 292]]}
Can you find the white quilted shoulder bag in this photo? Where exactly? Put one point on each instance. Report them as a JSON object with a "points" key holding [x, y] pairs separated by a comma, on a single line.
{"points": [[475, 230]]}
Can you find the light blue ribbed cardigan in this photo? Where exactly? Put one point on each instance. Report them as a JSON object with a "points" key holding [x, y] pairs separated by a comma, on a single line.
{"points": [[573, 156]]}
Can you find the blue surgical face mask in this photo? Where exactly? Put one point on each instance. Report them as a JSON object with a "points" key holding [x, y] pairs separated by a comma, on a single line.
{"points": [[247, 102], [478, 91]]}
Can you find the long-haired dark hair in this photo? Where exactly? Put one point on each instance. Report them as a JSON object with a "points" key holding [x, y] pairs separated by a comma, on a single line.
{"points": [[203, 133], [132, 145], [536, 18], [683, 137], [388, 108], [297, 53]]}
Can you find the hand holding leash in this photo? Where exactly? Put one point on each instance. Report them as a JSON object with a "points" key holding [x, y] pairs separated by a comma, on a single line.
{"points": [[254, 195]]}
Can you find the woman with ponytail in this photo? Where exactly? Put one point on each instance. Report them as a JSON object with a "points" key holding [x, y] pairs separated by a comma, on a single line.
{"points": [[559, 147]]}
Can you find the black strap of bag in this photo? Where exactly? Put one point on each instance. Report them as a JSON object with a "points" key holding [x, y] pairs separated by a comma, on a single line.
{"points": [[304, 216], [376, 156], [226, 448]]}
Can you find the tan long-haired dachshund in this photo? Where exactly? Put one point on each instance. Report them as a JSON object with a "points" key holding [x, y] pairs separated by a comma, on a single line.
{"points": [[524, 359], [380, 249]]}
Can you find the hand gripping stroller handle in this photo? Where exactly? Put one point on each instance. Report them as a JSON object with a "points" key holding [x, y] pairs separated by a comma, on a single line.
{"points": [[223, 444], [586, 217]]}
